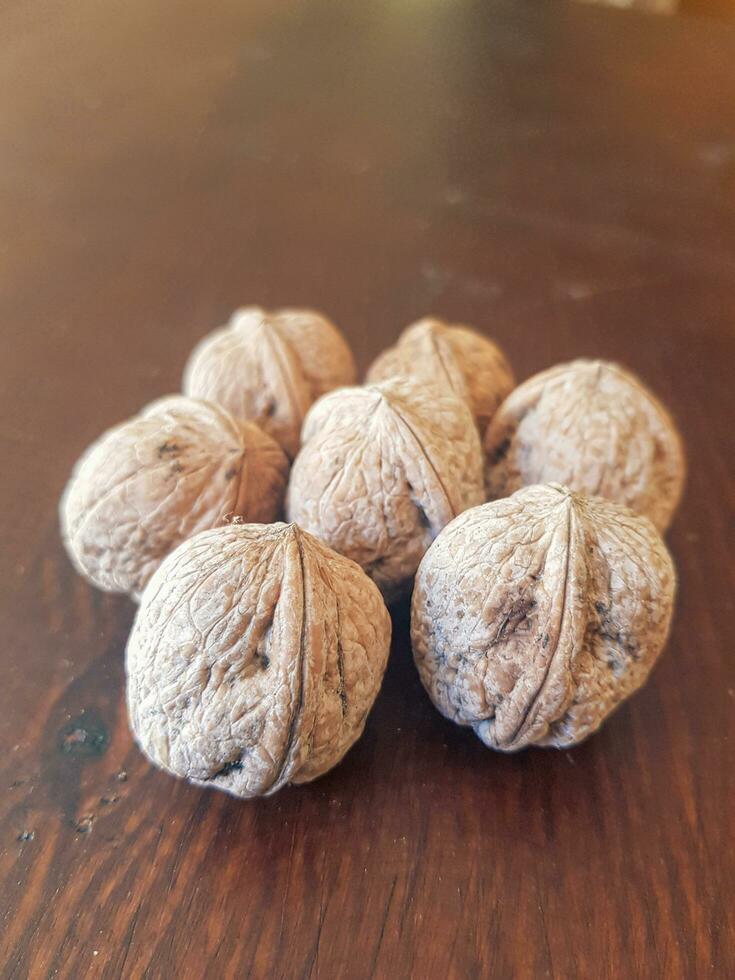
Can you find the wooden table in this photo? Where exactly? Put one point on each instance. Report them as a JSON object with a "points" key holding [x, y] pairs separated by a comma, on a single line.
{"points": [[561, 176]]}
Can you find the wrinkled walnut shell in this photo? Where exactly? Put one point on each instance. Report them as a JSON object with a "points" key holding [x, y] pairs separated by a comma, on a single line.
{"points": [[534, 616], [431, 351], [382, 470], [255, 658], [143, 487], [268, 368], [593, 427]]}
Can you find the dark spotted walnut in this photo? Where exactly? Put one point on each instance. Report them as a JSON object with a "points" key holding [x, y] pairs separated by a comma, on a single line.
{"points": [[177, 468], [382, 470], [533, 617], [594, 427], [432, 351], [268, 368], [255, 658]]}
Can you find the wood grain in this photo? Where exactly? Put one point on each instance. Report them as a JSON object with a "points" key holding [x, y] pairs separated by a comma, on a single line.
{"points": [[561, 176]]}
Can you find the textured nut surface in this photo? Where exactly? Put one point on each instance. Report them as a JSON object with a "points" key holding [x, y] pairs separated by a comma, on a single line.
{"points": [[431, 351], [177, 468], [591, 426], [270, 367], [382, 470], [534, 616], [255, 658]]}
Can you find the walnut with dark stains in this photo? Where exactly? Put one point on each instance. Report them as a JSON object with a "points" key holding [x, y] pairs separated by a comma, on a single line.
{"points": [[534, 616], [256, 655], [383, 468], [179, 467]]}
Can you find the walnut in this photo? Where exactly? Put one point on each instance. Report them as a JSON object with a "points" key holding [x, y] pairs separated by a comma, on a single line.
{"points": [[381, 471], [594, 427], [534, 616], [431, 350], [254, 659], [178, 467], [268, 368]]}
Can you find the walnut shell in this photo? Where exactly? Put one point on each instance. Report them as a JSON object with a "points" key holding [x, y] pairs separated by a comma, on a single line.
{"points": [[534, 616], [593, 427], [177, 468], [431, 350], [382, 470], [254, 659], [268, 368]]}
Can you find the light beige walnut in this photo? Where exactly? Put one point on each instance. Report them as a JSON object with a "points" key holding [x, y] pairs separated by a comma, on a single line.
{"points": [[382, 469], [594, 427], [534, 616], [432, 351], [268, 368], [255, 658], [179, 467]]}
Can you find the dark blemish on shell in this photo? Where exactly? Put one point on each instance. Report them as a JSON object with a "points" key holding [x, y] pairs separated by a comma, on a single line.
{"points": [[523, 608], [84, 825], [228, 767], [609, 632], [265, 662], [500, 451], [231, 473], [83, 736], [516, 617], [501, 629], [26, 835], [423, 519], [168, 449], [626, 643]]}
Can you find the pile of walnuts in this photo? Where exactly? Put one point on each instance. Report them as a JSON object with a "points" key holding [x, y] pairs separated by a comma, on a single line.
{"points": [[259, 646]]}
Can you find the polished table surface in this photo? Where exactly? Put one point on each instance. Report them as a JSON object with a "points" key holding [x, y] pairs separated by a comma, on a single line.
{"points": [[561, 176]]}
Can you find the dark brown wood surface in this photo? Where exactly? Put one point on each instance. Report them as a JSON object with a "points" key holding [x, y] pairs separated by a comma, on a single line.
{"points": [[561, 176]]}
